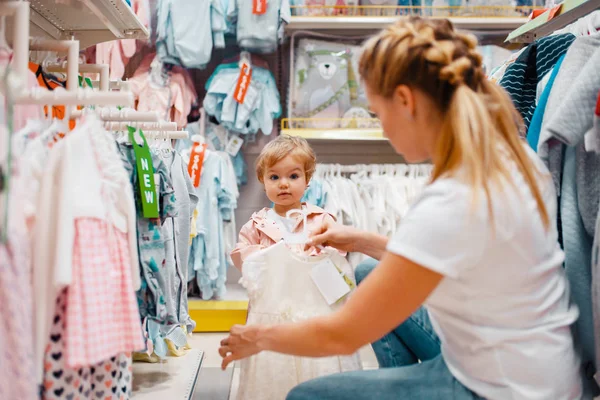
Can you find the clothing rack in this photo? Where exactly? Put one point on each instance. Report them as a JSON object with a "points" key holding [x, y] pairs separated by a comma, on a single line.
{"points": [[407, 169]]}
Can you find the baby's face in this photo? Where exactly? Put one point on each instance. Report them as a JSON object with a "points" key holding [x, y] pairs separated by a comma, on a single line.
{"points": [[285, 182]]}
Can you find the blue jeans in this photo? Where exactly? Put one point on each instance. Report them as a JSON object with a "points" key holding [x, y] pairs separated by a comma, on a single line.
{"points": [[401, 376], [413, 341]]}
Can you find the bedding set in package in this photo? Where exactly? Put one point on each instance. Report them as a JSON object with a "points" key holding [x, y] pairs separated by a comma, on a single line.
{"points": [[326, 91]]}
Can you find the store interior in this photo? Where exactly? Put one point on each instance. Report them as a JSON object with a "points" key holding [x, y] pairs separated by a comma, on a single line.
{"points": [[169, 68]]}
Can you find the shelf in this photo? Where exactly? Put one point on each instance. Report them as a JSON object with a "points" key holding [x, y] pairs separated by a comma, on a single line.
{"points": [[89, 21], [217, 316], [479, 18], [569, 12], [336, 134]]}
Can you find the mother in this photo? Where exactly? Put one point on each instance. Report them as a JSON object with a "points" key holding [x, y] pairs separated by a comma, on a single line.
{"points": [[479, 247]]}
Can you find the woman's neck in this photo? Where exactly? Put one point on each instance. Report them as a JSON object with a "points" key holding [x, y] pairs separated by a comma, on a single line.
{"points": [[283, 209]]}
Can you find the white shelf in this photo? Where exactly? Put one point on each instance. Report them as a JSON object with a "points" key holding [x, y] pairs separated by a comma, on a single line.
{"points": [[89, 21], [378, 22], [336, 134]]}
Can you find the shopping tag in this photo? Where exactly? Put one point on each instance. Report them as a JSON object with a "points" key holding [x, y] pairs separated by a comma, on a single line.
{"points": [[554, 11], [259, 7], [145, 171], [157, 184], [195, 164], [329, 281], [243, 82], [234, 145]]}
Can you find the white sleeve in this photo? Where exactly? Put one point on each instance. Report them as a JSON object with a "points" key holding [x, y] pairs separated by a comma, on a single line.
{"points": [[444, 230]]}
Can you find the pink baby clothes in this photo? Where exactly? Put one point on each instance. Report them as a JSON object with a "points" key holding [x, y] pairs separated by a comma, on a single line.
{"points": [[262, 232], [102, 313], [110, 379], [17, 372]]}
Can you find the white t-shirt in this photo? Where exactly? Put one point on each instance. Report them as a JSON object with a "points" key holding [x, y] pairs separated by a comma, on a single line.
{"points": [[502, 311]]}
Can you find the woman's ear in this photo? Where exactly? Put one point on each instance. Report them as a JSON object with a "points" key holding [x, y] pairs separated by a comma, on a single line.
{"points": [[404, 99]]}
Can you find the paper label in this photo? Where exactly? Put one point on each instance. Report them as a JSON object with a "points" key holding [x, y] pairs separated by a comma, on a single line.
{"points": [[329, 281], [243, 82], [259, 7], [234, 145], [554, 11], [195, 163], [145, 172]]}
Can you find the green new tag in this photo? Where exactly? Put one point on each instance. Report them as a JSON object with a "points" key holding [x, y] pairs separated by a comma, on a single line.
{"points": [[145, 171]]}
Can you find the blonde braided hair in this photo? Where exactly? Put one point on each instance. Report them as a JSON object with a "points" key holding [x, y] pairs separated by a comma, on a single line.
{"points": [[479, 118]]}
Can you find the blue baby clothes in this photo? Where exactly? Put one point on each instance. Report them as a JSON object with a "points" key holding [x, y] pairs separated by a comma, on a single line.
{"points": [[522, 76], [176, 232], [217, 203], [533, 134], [259, 33], [261, 104], [188, 31], [151, 246]]}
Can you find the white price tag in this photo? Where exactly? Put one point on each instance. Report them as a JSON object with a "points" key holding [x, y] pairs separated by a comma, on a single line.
{"points": [[329, 281], [234, 145], [157, 188]]}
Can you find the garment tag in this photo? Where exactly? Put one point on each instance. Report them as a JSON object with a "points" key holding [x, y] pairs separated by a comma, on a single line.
{"points": [[243, 82], [157, 184], [259, 7], [234, 145], [145, 171], [554, 11], [329, 281], [195, 164]]}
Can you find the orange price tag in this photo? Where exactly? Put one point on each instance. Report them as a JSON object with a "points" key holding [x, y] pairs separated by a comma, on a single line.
{"points": [[259, 7], [243, 83], [554, 11], [195, 164], [536, 13]]}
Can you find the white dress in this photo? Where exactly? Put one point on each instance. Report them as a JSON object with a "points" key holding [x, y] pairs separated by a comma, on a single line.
{"points": [[281, 290]]}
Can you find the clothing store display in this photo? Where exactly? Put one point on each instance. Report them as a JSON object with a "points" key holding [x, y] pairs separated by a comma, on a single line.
{"points": [[421, 239], [257, 110], [172, 95], [567, 119], [326, 84], [521, 77], [259, 32], [188, 31], [281, 290]]}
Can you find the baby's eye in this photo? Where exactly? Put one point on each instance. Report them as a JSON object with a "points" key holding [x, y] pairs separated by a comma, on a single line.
{"points": [[294, 176], [273, 177]]}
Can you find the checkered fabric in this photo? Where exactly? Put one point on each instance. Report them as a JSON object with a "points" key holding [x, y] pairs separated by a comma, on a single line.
{"points": [[102, 313]]}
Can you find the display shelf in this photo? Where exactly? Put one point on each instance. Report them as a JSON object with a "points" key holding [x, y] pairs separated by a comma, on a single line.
{"points": [[481, 18], [562, 15], [217, 315], [89, 21], [344, 128]]}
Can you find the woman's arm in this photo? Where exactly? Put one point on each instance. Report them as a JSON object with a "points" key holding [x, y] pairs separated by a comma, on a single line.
{"points": [[349, 239], [387, 297]]}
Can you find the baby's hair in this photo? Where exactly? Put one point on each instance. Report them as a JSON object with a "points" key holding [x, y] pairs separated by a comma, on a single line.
{"points": [[281, 147]]}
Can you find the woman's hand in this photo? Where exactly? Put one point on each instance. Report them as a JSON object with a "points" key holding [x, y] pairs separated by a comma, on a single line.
{"points": [[241, 343], [332, 234]]}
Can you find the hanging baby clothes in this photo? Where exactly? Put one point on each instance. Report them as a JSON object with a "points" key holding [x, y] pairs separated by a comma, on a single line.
{"points": [[110, 379], [16, 325], [151, 247], [188, 30], [259, 32], [172, 98], [281, 291], [84, 184], [176, 232], [259, 107], [208, 262], [521, 77]]}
